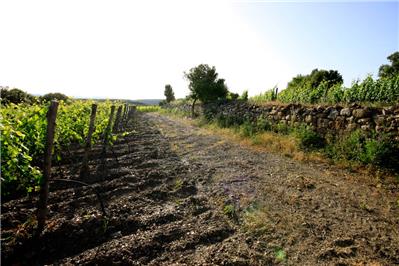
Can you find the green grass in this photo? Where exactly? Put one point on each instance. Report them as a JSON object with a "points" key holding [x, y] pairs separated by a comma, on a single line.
{"points": [[148, 108]]}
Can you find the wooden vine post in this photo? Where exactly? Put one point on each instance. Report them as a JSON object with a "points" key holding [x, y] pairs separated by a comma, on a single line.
{"points": [[108, 129], [43, 196], [125, 114], [85, 165], [117, 120]]}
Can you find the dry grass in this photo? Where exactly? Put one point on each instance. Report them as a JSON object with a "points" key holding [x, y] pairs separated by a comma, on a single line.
{"points": [[256, 222], [265, 141], [287, 146]]}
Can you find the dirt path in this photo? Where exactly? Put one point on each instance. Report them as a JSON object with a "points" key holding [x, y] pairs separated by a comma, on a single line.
{"points": [[314, 213], [175, 194]]}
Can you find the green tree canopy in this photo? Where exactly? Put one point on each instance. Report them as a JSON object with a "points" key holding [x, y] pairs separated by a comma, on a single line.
{"points": [[15, 96], [205, 85], [386, 71], [169, 94], [312, 87], [54, 96]]}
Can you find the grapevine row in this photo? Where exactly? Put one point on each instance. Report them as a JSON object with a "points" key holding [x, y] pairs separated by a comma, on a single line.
{"points": [[23, 138]]}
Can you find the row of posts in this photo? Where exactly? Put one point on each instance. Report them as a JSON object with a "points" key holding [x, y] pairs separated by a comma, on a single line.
{"points": [[123, 115]]}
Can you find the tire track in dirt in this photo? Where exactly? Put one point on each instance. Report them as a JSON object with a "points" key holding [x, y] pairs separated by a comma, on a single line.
{"points": [[315, 213]]}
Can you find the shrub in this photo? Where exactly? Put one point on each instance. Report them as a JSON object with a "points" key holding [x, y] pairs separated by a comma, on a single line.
{"points": [[229, 210], [377, 150], [244, 96], [348, 147], [247, 129], [281, 128], [382, 151], [262, 124], [228, 120], [308, 139]]}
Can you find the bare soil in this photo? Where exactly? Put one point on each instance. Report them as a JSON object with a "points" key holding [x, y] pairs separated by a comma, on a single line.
{"points": [[177, 195]]}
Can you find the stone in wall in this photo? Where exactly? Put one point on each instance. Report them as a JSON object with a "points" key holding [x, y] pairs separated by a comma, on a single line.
{"points": [[324, 119]]}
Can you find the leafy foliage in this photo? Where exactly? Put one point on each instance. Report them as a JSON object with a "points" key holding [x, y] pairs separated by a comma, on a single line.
{"points": [[375, 150], [148, 108], [169, 94], [387, 71], [15, 96], [311, 88], [308, 139], [267, 96], [54, 96], [23, 133], [369, 90], [232, 96], [244, 96], [205, 84]]}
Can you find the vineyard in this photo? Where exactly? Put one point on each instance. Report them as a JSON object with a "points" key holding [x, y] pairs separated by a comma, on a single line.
{"points": [[24, 136], [371, 91], [164, 192]]}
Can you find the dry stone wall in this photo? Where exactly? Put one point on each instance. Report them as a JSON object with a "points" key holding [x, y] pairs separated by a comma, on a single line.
{"points": [[323, 119]]}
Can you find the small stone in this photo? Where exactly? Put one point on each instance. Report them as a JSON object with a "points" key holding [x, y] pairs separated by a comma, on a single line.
{"points": [[352, 126], [365, 127], [364, 120], [361, 113], [117, 234], [333, 114], [346, 112]]}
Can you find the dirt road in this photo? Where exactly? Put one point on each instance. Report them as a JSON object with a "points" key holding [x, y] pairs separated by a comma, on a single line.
{"points": [[176, 194]]}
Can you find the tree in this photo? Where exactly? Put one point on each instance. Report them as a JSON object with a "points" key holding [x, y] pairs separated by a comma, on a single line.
{"points": [[15, 96], [387, 71], [232, 96], [244, 96], [332, 77], [170, 96], [54, 96], [312, 87], [205, 85]]}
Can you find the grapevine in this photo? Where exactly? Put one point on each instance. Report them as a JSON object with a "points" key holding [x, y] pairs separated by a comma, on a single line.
{"points": [[23, 133]]}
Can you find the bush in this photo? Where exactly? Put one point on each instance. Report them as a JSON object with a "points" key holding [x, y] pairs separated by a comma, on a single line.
{"points": [[244, 96], [281, 128], [228, 120], [262, 124], [309, 139], [348, 147], [377, 150], [247, 129], [382, 151]]}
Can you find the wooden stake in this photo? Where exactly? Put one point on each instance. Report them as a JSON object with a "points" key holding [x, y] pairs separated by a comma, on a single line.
{"points": [[85, 165], [124, 115], [43, 196], [117, 120], [108, 129]]}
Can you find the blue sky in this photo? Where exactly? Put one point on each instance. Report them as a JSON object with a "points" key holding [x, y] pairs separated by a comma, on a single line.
{"points": [[352, 37], [131, 49]]}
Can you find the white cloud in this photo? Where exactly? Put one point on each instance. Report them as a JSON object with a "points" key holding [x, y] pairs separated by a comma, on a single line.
{"points": [[130, 49]]}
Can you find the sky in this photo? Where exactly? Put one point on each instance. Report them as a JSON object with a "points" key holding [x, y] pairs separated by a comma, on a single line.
{"points": [[131, 49]]}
